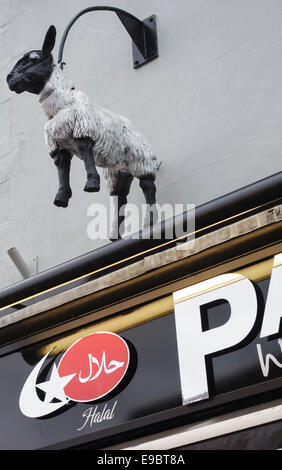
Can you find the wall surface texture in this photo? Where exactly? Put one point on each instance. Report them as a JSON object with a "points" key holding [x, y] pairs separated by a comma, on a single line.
{"points": [[210, 105]]}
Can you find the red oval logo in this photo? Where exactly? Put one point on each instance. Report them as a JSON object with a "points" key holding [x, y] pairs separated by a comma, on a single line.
{"points": [[99, 361]]}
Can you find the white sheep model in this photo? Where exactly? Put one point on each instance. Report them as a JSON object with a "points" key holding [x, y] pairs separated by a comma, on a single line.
{"points": [[76, 127]]}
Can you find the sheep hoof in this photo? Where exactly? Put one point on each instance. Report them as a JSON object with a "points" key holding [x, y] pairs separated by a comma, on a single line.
{"points": [[114, 236], [92, 185], [62, 198]]}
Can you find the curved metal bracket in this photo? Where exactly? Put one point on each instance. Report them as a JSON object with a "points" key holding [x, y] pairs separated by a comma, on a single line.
{"points": [[142, 33]]}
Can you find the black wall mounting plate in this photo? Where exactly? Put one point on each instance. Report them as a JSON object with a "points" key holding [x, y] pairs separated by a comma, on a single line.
{"points": [[151, 43], [143, 34]]}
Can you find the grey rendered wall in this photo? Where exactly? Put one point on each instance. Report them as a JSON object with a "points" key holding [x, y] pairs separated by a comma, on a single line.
{"points": [[210, 105]]}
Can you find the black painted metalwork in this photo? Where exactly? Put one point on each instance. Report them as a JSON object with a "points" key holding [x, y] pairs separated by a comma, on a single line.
{"points": [[142, 33]]}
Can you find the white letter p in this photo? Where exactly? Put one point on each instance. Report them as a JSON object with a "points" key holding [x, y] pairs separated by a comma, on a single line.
{"points": [[193, 343]]}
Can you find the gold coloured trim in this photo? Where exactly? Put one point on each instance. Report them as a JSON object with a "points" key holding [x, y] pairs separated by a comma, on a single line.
{"points": [[159, 302], [258, 271], [152, 310], [119, 323]]}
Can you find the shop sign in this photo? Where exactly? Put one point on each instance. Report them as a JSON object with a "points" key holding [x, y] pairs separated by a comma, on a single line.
{"points": [[223, 336]]}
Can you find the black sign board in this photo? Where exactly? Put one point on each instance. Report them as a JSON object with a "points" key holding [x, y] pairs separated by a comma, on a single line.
{"points": [[151, 383]]}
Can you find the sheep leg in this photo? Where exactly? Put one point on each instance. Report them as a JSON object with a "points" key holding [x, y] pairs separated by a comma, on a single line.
{"points": [[62, 160], [121, 191], [85, 150], [149, 189]]}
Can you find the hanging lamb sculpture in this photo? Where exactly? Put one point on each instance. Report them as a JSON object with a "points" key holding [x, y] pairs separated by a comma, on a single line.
{"points": [[75, 127]]}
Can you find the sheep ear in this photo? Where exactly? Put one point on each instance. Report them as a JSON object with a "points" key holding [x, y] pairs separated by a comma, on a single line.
{"points": [[49, 41]]}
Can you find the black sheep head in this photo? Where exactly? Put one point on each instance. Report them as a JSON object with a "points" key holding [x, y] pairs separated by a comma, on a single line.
{"points": [[34, 69]]}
